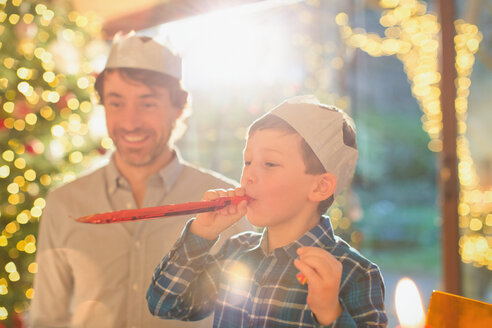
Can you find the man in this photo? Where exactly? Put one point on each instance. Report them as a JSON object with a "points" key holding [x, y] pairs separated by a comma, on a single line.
{"points": [[96, 275]]}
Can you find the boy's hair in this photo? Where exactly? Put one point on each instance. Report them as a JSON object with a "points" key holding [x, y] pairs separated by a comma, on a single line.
{"points": [[311, 160], [178, 96]]}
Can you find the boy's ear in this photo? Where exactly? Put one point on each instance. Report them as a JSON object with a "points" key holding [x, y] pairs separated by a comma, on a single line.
{"points": [[324, 187]]}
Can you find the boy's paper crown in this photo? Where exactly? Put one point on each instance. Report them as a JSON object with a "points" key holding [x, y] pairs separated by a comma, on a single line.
{"points": [[132, 51], [322, 128]]}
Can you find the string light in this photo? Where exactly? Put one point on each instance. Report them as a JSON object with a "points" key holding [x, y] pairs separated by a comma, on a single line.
{"points": [[412, 34]]}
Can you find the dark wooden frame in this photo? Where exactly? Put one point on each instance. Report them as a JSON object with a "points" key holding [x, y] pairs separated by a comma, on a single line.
{"points": [[448, 161]]}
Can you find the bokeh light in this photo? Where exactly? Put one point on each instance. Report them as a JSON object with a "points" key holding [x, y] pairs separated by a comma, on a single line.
{"points": [[413, 34]]}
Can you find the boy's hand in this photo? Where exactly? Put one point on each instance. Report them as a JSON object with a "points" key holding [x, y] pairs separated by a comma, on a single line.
{"points": [[210, 225], [323, 273]]}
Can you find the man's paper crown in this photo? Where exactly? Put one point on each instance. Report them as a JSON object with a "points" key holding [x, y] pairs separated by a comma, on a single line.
{"points": [[132, 51], [322, 127]]}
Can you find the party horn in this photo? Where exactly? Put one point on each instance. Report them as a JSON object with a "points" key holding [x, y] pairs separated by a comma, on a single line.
{"points": [[162, 211]]}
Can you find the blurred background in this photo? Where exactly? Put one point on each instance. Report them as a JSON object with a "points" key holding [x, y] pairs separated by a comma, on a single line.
{"points": [[379, 60]]}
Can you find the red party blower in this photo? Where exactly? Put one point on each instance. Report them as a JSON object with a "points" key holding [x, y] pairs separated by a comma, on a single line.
{"points": [[162, 211]]}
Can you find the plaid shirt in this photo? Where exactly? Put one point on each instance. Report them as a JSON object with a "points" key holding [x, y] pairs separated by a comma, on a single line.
{"points": [[244, 287]]}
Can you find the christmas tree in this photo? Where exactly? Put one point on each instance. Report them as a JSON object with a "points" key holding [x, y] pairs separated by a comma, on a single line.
{"points": [[46, 60]]}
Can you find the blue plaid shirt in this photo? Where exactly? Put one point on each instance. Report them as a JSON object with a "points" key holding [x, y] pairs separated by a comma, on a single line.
{"points": [[245, 287]]}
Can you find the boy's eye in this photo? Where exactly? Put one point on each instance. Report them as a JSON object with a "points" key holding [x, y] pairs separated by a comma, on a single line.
{"points": [[246, 163], [149, 105], [270, 164]]}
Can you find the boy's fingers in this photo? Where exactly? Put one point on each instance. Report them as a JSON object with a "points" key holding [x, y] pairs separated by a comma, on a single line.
{"points": [[231, 192], [234, 209], [322, 269], [322, 254], [212, 194], [231, 209], [311, 275], [216, 193], [242, 206], [222, 192], [228, 210], [240, 191], [321, 261], [313, 250]]}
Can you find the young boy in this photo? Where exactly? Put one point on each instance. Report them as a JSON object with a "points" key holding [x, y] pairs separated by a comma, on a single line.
{"points": [[298, 157]]}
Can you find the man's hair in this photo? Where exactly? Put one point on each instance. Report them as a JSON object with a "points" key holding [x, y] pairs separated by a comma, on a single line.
{"points": [[178, 96], [311, 161]]}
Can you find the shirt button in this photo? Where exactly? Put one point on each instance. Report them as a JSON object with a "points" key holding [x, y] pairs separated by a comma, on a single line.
{"points": [[135, 287], [137, 244], [129, 205]]}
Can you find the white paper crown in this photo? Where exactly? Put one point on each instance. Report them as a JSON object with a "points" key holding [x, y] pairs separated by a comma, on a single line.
{"points": [[322, 128], [132, 51]]}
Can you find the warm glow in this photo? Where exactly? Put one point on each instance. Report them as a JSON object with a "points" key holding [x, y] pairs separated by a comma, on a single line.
{"points": [[3, 313], [239, 276], [409, 308], [97, 122], [232, 46]]}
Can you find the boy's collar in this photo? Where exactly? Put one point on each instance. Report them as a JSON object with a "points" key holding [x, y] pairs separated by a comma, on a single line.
{"points": [[320, 236]]}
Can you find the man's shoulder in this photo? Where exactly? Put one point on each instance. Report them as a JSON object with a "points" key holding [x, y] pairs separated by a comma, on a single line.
{"points": [[82, 196], [197, 173]]}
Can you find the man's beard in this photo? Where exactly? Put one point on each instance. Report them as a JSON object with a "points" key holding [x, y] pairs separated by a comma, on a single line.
{"points": [[139, 156]]}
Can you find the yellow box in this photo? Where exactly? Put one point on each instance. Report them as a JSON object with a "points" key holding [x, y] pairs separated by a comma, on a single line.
{"points": [[449, 311]]}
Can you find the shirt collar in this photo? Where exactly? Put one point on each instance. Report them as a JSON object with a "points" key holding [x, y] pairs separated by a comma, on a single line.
{"points": [[168, 174], [264, 242], [112, 175], [320, 236]]}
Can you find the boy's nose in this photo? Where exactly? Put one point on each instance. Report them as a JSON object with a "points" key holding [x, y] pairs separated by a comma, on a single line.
{"points": [[250, 179], [247, 177]]}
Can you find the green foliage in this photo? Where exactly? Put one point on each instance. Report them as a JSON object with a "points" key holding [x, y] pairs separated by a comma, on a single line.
{"points": [[393, 146], [400, 214], [408, 260], [396, 181]]}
